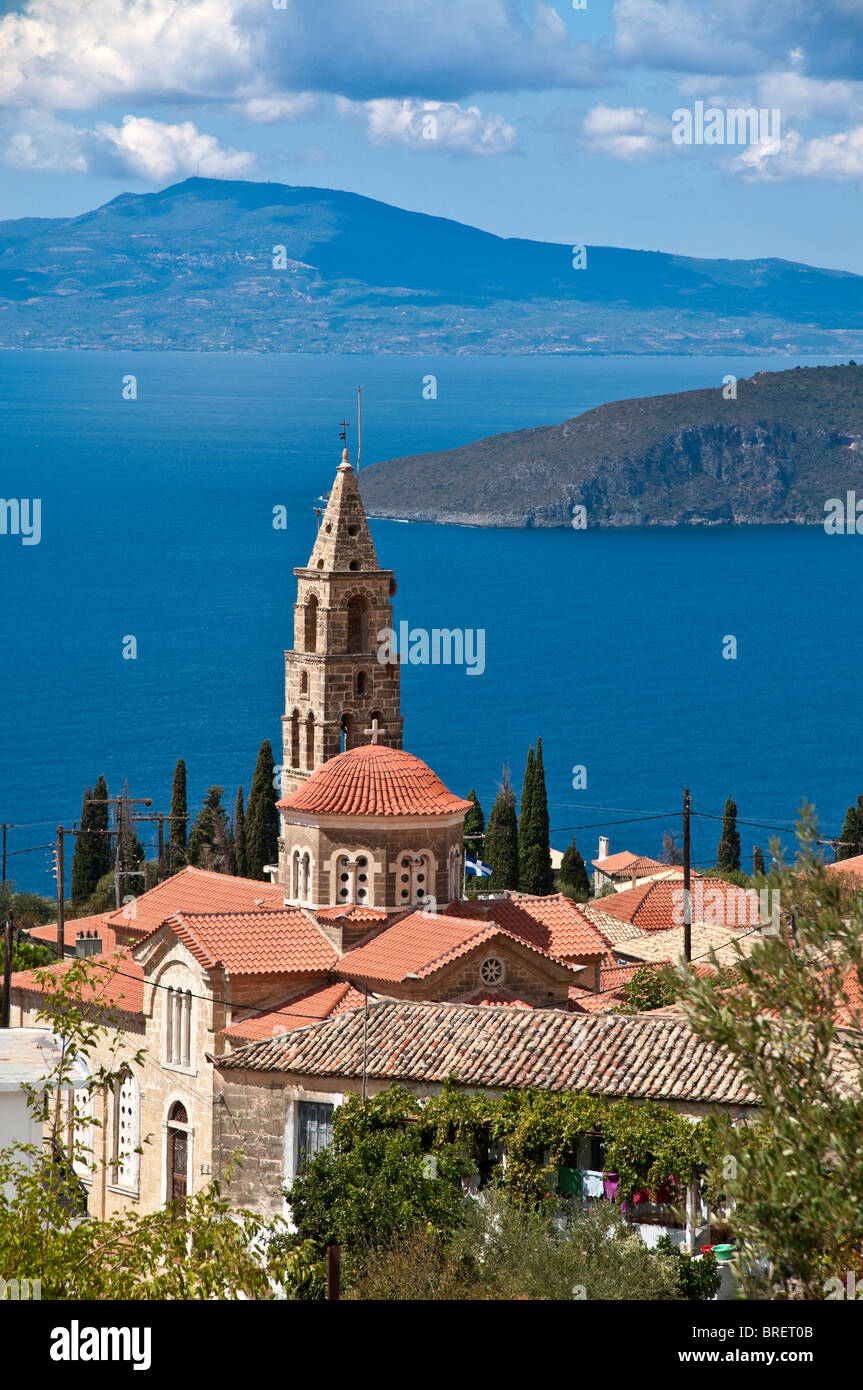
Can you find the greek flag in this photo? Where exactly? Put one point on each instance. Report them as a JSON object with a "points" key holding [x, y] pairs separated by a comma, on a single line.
{"points": [[477, 869]]}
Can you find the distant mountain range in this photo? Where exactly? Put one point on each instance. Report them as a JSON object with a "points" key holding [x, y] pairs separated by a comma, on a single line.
{"points": [[191, 267], [789, 442]]}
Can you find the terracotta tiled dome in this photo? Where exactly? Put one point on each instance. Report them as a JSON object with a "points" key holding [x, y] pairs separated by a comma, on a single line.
{"points": [[374, 781]]}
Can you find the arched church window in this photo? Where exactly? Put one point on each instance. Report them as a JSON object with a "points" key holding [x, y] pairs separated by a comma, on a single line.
{"points": [[358, 623], [347, 730], [295, 738], [355, 879], [362, 683], [310, 741], [455, 874], [414, 879], [304, 682], [310, 637]]}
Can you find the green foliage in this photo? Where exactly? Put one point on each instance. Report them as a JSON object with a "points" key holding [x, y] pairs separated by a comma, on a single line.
{"points": [[573, 876], [758, 869], [474, 827], [535, 873], [796, 1178], [505, 1252], [370, 1186], [647, 988], [239, 836], [210, 845], [202, 1249], [728, 850], [30, 909], [698, 1276], [851, 843], [501, 839], [672, 852], [179, 809], [262, 818], [86, 859]]}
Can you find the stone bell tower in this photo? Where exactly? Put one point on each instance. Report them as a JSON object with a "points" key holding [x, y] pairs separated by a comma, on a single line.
{"points": [[334, 684]]}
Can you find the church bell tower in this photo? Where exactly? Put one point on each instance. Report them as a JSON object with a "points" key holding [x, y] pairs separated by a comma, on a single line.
{"points": [[335, 687]]}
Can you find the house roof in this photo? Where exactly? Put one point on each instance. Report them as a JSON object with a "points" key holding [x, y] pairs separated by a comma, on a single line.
{"points": [[621, 865], [297, 1011], [658, 905], [119, 984], [424, 942], [373, 780], [29, 1056], [638, 1056], [196, 890], [853, 866], [587, 1001], [554, 924], [351, 912], [664, 946], [98, 926], [254, 943]]}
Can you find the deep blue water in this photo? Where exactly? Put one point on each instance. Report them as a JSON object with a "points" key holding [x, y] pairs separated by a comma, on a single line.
{"points": [[157, 522]]}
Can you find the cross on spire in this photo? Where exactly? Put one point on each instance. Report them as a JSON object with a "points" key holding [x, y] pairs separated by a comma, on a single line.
{"points": [[375, 729], [343, 432]]}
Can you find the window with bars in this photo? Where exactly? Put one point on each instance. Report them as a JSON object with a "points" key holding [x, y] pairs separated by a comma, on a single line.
{"points": [[125, 1134], [81, 1135], [178, 1028], [314, 1130]]}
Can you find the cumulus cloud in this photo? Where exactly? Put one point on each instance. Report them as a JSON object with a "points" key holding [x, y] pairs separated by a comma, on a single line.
{"points": [[140, 148], [432, 125], [626, 132], [267, 110], [742, 36], [65, 54], [838, 156]]}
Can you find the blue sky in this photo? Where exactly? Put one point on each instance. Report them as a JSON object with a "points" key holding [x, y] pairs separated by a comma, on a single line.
{"points": [[536, 120]]}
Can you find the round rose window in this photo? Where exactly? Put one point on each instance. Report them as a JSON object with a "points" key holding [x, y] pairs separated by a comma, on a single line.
{"points": [[491, 971]]}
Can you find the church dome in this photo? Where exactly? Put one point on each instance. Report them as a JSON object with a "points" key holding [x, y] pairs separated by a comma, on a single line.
{"points": [[373, 780]]}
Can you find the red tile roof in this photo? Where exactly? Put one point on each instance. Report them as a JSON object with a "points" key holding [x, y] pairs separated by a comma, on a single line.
{"points": [[621, 865], [424, 942], [97, 926], [640, 1056], [658, 906], [196, 890], [372, 780], [351, 912], [497, 997], [853, 866], [554, 924], [297, 1011], [119, 984], [255, 943]]}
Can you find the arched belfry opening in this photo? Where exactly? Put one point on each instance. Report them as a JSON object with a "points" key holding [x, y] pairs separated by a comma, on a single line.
{"points": [[358, 623], [310, 626]]}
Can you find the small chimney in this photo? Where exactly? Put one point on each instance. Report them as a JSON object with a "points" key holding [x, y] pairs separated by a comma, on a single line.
{"points": [[633, 875], [603, 847]]}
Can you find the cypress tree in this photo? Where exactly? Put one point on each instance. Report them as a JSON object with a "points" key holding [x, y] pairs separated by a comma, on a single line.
{"points": [[757, 860], [535, 874], [100, 820], [574, 880], [728, 851], [208, 846], [179, 807], [85, 860], [526, 802], [852, 832], [474, 827], [501, 839], [240, 836], [262, 818]]}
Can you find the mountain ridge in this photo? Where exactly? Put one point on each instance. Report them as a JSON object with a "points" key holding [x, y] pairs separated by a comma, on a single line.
{"points": [[191, 267], [790, 441]]}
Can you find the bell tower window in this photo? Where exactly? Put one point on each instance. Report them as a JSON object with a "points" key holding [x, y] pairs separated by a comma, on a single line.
{"points": [[304, 682], [310, 631], [358, 624], [310, 742], [362, 683], [295, 738], [414, 885], [354, 879]]}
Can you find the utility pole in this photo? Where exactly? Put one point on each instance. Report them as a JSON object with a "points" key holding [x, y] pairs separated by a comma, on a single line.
{"points": [[7, 825], [7, 972], [61, 895], [116, 802], [687, 894]]}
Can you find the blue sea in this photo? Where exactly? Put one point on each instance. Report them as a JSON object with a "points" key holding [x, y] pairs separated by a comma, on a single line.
{"points": [[157, 524]]}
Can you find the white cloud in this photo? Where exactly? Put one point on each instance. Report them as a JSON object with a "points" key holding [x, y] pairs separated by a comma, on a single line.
{"points": [[433, 125], [290, 107], [80, 54], [838, 156], [140, 148], [625, 132]]}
